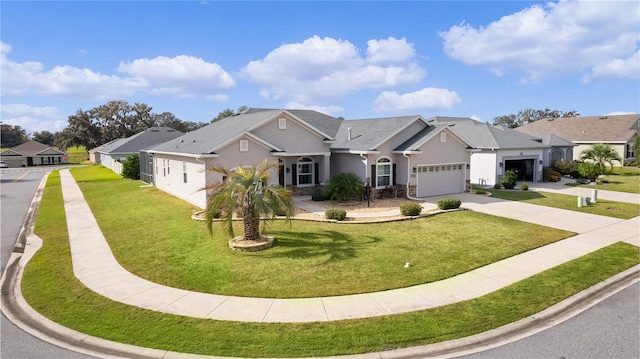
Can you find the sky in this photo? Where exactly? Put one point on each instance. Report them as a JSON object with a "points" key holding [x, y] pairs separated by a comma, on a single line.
{"points": [[360, 59]]}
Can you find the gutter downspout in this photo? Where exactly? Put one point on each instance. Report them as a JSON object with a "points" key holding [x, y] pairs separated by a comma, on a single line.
{"points": [[409, 178]]}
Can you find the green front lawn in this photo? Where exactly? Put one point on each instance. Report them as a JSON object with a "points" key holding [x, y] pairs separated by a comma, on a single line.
{"points": [[602, 207], [622, 179], [154, 237], [78, 154], [50, 287]]}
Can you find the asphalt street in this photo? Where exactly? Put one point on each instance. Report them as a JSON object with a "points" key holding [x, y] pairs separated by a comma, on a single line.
{"points": [[17, 188], [610, 329]]}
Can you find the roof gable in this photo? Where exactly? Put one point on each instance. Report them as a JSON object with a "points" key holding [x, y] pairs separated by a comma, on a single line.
{"points": [[210, 138], [34, 148], [368, 134]]}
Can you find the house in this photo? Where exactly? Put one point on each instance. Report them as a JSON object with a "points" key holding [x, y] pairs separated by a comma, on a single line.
{"points": [[619, 131], [498, 149], [33, 153], [309, 146], [114, 153], [407, 152]]}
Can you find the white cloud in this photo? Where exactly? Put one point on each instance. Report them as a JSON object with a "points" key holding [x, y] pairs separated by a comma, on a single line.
{"points": [[426, 99], [23, 109], [568, 37], [327, 110], [179, 76], [32, 118], [182, 75], [390, 50], [616, 69], [322, 70]]}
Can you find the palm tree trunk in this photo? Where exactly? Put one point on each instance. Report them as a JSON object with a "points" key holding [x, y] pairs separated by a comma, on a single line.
{"points": [[251, 222]]}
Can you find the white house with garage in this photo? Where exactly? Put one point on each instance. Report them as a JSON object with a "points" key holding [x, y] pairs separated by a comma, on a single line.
{"points": [[498, 149]]}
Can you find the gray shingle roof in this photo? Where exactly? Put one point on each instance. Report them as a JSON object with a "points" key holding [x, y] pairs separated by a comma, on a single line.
{"points": [[206, 139], [140, 140], [368, 133], [615, 128], [32, 148], [485, 136], [553, 140], [411, 144]]}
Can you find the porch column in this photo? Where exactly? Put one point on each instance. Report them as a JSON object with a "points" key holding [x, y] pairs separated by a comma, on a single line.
{"points": [[326, 169]]}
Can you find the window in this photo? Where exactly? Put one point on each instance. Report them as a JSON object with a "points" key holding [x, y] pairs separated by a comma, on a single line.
{"points": [[556, 156], [305, 172], [282, 123], [383, 172], [443, 137], [631, 153], [184, 172], [168, 167], [244, 145]]}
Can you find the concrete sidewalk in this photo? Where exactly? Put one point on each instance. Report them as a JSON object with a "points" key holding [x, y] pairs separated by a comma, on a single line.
{"points": [[95, 266]]}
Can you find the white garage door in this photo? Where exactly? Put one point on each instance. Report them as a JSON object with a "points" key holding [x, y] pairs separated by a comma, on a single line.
{"points": [[435, 180]]}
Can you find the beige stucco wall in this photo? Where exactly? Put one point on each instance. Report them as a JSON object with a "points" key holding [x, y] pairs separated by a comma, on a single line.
{"points": [[620, 148], [295, 138]]}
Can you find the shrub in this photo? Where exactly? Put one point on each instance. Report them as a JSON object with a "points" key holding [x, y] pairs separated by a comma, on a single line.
{"points": [[589, 170], [410, 209], [319, 195], [481, 191], [449, 203], [550, 175], [567, 169], [335, 213], [524, 187], [131, 167], [345, 187], [497, 186], [509, 180]]}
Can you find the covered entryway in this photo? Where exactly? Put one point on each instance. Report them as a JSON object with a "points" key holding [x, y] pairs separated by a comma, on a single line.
{"points": [[436, 180], [524, 168]]}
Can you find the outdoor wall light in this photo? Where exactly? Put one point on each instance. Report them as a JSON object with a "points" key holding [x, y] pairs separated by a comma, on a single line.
{"points": [[288, 170], [540, 162], [500, 164], [468, 166], [415, 170]]}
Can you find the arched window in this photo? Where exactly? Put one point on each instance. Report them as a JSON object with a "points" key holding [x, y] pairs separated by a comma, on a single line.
{"points": [[305, 172], [383, 172], [556, 155]]}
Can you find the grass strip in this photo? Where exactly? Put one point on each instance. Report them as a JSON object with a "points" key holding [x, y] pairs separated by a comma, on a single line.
{"points": [[603, 207], [622, 179], [154, 237], [50, 288]]}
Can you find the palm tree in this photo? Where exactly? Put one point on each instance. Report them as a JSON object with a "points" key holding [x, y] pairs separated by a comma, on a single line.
{"points": [[602, 154], [242, 190]]}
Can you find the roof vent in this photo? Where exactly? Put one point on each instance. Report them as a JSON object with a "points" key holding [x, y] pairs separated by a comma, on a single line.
{"points": [[194, 140], [603, 117], [550, 119], [349, 134]]}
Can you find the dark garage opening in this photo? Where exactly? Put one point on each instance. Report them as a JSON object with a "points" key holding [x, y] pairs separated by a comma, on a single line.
{"points": [[523, 168]]}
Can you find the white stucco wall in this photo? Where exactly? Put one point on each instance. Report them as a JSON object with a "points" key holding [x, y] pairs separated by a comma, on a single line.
{"points": [[484, 168], [169, 176]]}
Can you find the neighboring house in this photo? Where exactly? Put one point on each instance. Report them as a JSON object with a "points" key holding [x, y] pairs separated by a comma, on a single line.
{"points": [[94, 154], [114, 153], [33, 153], [619, 131], [498, 149], [310, 147]]}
